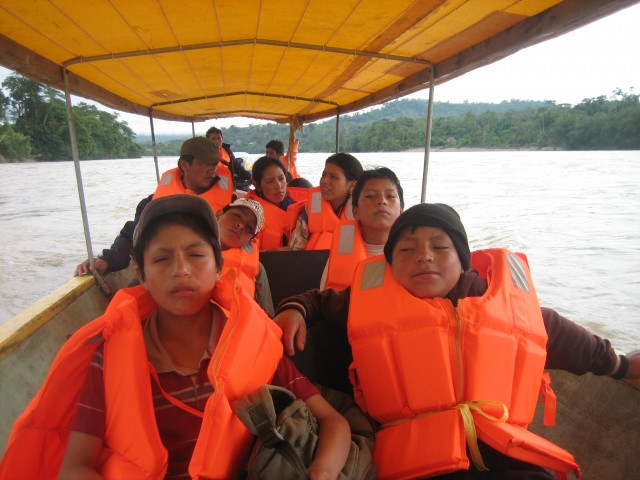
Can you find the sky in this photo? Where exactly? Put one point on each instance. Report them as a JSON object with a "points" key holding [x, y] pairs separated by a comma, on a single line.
{"points": [[589, 62]]}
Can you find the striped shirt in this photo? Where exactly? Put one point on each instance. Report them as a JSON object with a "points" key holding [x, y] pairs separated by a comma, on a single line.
{"points": [[178, 428]]}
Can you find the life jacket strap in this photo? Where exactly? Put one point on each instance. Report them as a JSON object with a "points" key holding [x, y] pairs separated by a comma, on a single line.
{"points": [[465, 409], [549, 401], [171, 398]]}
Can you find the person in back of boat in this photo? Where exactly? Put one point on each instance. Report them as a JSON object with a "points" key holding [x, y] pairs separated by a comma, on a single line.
{"points": [[241, 177], [328, 204], [464, 341], [377, 201], [300, 182], [199, 172], [269, 179], [275, 149], [239, 224], [144, 391]]}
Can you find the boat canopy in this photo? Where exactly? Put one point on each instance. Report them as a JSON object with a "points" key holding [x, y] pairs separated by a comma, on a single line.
{"points": [[281, 60]]}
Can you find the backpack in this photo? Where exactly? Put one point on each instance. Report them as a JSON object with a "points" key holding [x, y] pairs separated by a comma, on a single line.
{"points": [[288, 433]]}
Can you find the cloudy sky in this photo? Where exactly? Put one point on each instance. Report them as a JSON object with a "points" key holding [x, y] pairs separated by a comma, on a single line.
{"points": [[592, 61]]}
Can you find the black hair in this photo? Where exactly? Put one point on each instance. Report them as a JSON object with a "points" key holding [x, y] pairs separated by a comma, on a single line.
{"points": [[277, 145], [348, 164], [213, 130], [186, 158], [300, 183], [193, 222], [261, 165], [382, 173]]}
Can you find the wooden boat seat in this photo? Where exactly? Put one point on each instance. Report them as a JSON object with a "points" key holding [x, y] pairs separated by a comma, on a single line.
{"points": [[327, 355]]}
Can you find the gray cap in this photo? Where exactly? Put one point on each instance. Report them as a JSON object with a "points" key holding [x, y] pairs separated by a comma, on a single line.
{"points": [[180, 203], [201, 148]]}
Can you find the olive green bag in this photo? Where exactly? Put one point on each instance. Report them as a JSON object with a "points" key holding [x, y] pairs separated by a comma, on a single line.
{"points": [[288, 433]]}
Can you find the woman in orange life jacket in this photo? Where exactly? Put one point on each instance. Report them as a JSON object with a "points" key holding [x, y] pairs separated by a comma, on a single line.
{"points": [[239, 223], [269, 179], [377, 201], [465, 338], [201, 341], [328, 204]]}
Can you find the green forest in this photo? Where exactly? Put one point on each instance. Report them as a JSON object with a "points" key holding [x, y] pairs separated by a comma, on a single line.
{"points": [[33, 126]]}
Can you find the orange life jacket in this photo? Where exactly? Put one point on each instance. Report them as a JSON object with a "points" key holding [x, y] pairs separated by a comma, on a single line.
{"points": [[322, 220], [246, 261], [276, 223], [245, 357], [435, 375], [347, 250], [218, 196], [225, 156], [298, 194]]}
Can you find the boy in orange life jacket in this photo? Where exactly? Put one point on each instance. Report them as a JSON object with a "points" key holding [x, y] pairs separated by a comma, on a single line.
{"points": [[170, 356], [239, 224], [377, 201], [451, 337]]}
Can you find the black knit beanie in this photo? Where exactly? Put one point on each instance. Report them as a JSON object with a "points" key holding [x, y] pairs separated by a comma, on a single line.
{"points": [[436, 215]]}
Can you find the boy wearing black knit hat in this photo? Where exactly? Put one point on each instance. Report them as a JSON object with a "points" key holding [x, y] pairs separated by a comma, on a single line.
{"points": [[449, 350]]}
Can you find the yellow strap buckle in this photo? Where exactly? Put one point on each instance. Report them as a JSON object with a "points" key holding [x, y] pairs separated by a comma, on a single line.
{"points": [[470, 428]]}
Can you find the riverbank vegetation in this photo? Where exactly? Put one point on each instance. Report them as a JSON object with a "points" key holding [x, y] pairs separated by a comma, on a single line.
{"points": [[595, 124], [33, 125]]}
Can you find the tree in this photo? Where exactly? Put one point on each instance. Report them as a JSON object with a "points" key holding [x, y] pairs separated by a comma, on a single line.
{"points": [[39, 113]]}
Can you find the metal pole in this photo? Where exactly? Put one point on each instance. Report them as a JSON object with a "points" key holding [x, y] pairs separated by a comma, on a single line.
{"points": [[76, 164], [337, 130], [427, 145], [193, 129], [154, 146]]}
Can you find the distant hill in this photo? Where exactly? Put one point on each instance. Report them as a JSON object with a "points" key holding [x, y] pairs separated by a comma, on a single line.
{"points": [[403, 108], [595, 124], [415, 108]]}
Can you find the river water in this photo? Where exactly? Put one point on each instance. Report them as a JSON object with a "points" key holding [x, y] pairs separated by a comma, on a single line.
{"points": [[575, 214]]}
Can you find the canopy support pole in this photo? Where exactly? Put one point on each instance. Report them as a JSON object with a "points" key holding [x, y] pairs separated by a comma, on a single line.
{"points": [[76, 163], [154, 146], [193, 129], [427, 144], [337, 130]]}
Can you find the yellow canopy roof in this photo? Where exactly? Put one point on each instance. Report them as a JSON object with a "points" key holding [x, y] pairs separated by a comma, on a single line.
{"points": [[271, 59]]}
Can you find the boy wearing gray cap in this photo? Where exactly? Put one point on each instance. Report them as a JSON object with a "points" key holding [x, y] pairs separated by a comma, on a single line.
{"points": [[449, 350]]}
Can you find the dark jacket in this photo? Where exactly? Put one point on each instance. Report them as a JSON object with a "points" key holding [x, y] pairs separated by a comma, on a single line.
{"points": [[118, 255], [241, 177]]}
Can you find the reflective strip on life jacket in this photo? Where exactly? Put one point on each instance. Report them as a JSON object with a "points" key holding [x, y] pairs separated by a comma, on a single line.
{"points": [[322, 220], [347, 250]]}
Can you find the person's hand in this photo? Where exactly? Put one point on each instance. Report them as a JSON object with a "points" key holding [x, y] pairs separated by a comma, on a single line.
{"points": [[99, 265], [633, 372], [293, 328]]}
